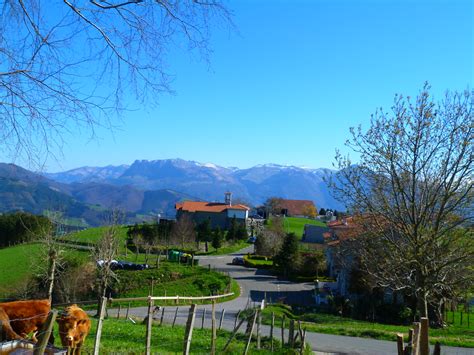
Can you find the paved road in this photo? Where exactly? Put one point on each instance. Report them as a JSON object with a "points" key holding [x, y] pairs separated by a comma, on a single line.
{"points": [[255, 284]]}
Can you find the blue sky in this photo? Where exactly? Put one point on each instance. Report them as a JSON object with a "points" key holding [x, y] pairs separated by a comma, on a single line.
{"points": [[287, 85]]}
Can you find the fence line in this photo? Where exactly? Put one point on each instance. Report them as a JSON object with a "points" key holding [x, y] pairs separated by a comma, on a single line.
{"points": [[170, 298]]}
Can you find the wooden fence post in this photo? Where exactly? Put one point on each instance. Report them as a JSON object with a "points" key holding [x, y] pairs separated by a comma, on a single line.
{"points": [[236, 328], [118, 311], [437, 349], [400, 344], [300, 331], [251, 332], [175, 315], [188, 335], [237, 318], [148, 327], [213, 328], [303, 339], [203, 316], [283, 331], [291, 334], [416, 339], [409, 346], [128, 311], [424, 342], [98, 333], [45, 333], [271, 330], [222, 318], [259, 322], [162, 315]]}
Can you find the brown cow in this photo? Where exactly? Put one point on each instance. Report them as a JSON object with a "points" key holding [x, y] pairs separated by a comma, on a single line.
{"points": [[19, 318], [74, 325]]}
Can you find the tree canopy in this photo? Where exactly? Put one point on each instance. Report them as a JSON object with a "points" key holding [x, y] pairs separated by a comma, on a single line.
{"points": [[412, 187]]}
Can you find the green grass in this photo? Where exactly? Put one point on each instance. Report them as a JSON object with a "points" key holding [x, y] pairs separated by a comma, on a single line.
{"points": [[296, 225], [226, 249], [258, 262], [16, 269], [121, 336], [92, 235], [173, 279], [331, 324], [15, 266]]}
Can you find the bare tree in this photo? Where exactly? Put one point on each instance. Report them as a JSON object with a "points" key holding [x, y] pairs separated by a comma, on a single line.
{"points": [[413, 187], [268, 243], [52, 253], [104, 253], [183, 231], [66, 63]]}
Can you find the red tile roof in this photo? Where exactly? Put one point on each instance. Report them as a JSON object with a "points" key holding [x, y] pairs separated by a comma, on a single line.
{"points": [[202, 206]]}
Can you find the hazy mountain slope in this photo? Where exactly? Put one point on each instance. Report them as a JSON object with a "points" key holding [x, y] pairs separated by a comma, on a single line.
{"points": [[89, 174], [209, 181], [109, 196], [205, 181], [81, 203]]}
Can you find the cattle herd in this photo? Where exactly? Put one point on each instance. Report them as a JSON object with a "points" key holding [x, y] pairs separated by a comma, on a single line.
{"points": [[19, 319]]}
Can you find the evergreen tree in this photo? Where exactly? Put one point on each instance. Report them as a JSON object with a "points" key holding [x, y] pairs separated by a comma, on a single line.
{"points": [[287, 259], [322, 212], [232, 231], [204, 232], [217, 238], [241, 232]]}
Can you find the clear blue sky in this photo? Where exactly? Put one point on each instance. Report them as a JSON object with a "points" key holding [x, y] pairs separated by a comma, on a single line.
{"points": [[288, 85]]}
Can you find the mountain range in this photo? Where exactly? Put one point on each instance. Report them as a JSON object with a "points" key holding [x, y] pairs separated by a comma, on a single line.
{"points": [[147, 188]]}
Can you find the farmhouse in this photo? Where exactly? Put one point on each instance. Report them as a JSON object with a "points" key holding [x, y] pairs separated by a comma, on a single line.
{"points": [[220, 214], [296, 208]]}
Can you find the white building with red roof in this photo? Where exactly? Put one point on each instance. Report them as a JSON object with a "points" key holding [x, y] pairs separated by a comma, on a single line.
{"points": [[219, 213]]}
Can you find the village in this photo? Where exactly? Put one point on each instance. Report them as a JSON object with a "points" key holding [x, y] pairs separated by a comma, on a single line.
{"points": [[236, 177], [287, 256]]}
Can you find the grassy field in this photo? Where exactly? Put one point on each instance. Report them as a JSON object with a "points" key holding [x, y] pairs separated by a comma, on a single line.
{"points": [[296, 225], [173, 279], [92, 235], [19, 262], [226, 249], [331, 324], [123, 337], [17, 265]]}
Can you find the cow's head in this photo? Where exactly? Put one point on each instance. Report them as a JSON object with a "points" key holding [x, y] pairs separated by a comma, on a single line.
{"points": [[72, 329]]}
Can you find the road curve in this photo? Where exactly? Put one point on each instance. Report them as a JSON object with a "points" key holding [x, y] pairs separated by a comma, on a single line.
{"points": [[255, 284]]}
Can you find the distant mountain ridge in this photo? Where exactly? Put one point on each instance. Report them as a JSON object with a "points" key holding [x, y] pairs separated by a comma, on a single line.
{"points": [[81, 204], [209, 181]]}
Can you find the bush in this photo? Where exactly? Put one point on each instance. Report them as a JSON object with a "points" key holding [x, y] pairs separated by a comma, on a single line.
{"points": [[260, 263]]}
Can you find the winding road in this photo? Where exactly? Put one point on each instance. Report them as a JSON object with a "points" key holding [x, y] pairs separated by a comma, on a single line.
{"points": [[255, 285]]}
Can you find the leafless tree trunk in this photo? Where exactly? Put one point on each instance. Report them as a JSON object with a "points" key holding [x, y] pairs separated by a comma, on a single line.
{"points": [[105, 252], [183, 232]]}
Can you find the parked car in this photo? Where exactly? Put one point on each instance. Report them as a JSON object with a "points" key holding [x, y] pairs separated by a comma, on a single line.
{"points": [[126, 265], [123, 265], [252, 239], [238, 260]]}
